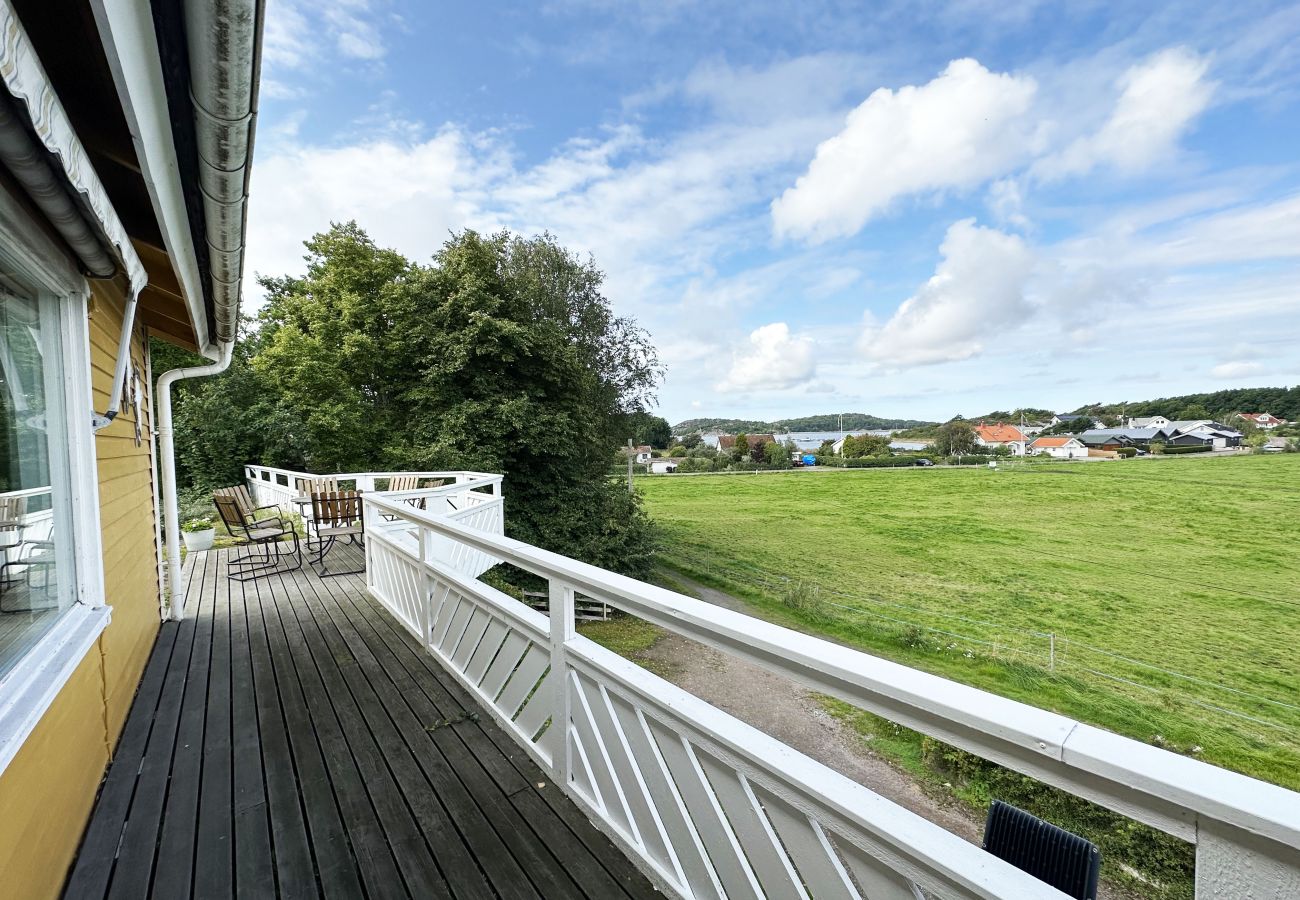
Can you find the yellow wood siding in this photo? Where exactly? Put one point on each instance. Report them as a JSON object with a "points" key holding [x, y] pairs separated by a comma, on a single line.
{"points": [[48, 790]]}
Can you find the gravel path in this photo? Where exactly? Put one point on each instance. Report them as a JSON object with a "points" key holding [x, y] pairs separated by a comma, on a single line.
{"points": [[792, 714]]}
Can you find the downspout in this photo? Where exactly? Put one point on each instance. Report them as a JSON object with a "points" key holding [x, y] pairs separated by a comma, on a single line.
{"points": [[167, 451], [123, 359]]}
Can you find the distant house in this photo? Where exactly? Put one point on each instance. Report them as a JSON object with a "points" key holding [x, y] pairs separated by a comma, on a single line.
{"points": [[811, 441], [1262, 420], [1070, 418], [642, 454], [1032, 429], [1000, 435], [1220, 436], [1148, 422], [1191, 439], [1062, 447], [728, 441], [909, 446], [1115, 438], [711, 439]]}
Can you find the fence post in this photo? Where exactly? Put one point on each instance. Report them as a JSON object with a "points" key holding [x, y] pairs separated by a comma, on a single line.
{"points": [[563, 630]]}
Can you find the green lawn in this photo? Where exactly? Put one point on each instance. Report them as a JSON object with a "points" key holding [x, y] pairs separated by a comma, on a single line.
{"points": [[1179, 564]]}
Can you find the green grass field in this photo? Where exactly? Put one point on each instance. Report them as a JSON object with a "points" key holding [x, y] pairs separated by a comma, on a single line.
{"points": [[1171, 585]]}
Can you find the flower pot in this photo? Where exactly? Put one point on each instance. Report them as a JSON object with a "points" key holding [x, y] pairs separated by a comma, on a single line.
{"points": [[199, 540]]}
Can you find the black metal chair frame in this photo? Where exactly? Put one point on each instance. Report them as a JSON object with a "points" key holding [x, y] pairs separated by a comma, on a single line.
{"points": [[339, 512], [256, 563]]}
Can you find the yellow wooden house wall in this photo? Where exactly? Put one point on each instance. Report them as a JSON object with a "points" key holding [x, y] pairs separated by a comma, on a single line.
{"points": [[48, 790]]}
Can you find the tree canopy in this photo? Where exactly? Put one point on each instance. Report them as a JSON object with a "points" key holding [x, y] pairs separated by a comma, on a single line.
{"points": [[502, 355]]}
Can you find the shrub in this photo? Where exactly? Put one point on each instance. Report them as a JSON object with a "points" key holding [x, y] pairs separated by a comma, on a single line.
{"points": [[1156, 447], [1127, 452], [1192, 449], [806, 600]]}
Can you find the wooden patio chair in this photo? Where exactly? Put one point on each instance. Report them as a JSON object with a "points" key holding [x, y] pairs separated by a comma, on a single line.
{"points": [[12, 511], [405, 483], [251, 514], [263, 556], [337, 514]]}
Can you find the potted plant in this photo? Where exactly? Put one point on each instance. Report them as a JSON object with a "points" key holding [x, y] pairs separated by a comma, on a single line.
{"points": [[199, 534]]}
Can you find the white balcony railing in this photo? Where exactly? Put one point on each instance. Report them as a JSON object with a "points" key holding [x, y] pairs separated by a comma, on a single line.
{"points": [[712, 807]]}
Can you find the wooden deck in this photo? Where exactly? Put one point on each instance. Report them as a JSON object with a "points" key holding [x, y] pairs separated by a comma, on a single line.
{"points": [[289, 738]]}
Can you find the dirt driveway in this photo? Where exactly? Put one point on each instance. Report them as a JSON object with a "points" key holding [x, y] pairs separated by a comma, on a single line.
{"points": [[791, 714]]}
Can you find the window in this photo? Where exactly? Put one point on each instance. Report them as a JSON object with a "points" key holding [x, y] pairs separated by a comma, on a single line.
{"points": [[38, 575]]}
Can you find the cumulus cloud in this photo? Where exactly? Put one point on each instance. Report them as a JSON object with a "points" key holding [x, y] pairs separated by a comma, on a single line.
{"points": [[977, 290], [772, 359], [406, 195], [1159, 99], [966, 126], [1237, 369]]}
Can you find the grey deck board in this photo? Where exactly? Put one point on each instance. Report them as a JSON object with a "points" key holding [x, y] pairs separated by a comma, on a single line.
{"points": [[280, 745]]}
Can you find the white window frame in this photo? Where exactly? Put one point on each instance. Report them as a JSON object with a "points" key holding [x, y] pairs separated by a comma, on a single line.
{"points": [[29, 688]]}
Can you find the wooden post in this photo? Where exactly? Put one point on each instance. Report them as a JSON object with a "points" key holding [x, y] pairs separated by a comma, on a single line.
{"points": [[563, 630], [630, 456]]}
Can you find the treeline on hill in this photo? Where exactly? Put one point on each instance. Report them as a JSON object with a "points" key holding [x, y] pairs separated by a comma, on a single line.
{"points": [[1283, 402], [827, 422], [502, 355]]}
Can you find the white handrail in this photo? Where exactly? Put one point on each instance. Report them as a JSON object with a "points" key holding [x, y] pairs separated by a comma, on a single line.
{"points": [[1247, 832]]}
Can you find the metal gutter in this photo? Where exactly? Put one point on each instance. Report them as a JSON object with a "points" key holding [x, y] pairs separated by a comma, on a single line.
{"points": [[225, 56]]}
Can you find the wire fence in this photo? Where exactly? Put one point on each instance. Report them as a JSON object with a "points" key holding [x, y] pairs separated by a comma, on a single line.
{"points": [[1051, 652]]}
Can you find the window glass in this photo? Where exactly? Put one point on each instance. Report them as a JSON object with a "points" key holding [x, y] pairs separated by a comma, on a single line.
{"points": [[36, 578]]}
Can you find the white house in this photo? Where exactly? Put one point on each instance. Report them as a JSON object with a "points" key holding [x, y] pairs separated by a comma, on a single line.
{"points": [[1148, 422], [1262, 420], [1000, 435], [1060, 447]]}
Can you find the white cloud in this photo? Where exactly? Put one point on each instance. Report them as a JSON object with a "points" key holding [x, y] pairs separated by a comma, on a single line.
{"points": [[956, 132], [1159, 99], [406, 195], [773, 359], [977, 291], [1238, 369]]}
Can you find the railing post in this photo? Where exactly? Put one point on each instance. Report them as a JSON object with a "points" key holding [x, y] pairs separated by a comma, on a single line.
{"points": [[562, 631], [424, 611]]}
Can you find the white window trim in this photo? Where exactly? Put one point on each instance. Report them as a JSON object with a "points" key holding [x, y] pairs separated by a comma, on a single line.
{"points": [[30, 687]]}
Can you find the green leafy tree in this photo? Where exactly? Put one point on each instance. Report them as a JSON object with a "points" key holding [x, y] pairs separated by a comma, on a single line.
{"points": [[777, 455], [954, 438], [648, 429], [740, 451], [502, 355], [690, 441], [1257, 441]]}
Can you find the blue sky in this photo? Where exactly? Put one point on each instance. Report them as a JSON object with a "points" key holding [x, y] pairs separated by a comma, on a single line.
{"points": [[910, 209]]}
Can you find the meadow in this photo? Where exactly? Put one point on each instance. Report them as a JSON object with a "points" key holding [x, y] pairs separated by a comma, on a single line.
{"points": [[1154, 597]]}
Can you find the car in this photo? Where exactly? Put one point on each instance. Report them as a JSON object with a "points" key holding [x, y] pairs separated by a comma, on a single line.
{"points": [[925, 462]]}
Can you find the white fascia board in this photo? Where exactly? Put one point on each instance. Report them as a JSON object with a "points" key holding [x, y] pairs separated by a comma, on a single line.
{"points": [[131, 46]]}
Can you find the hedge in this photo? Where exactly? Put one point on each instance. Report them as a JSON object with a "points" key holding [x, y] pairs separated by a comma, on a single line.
{"points": [[1193, 449], [869, 462], [1127, 452]]}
